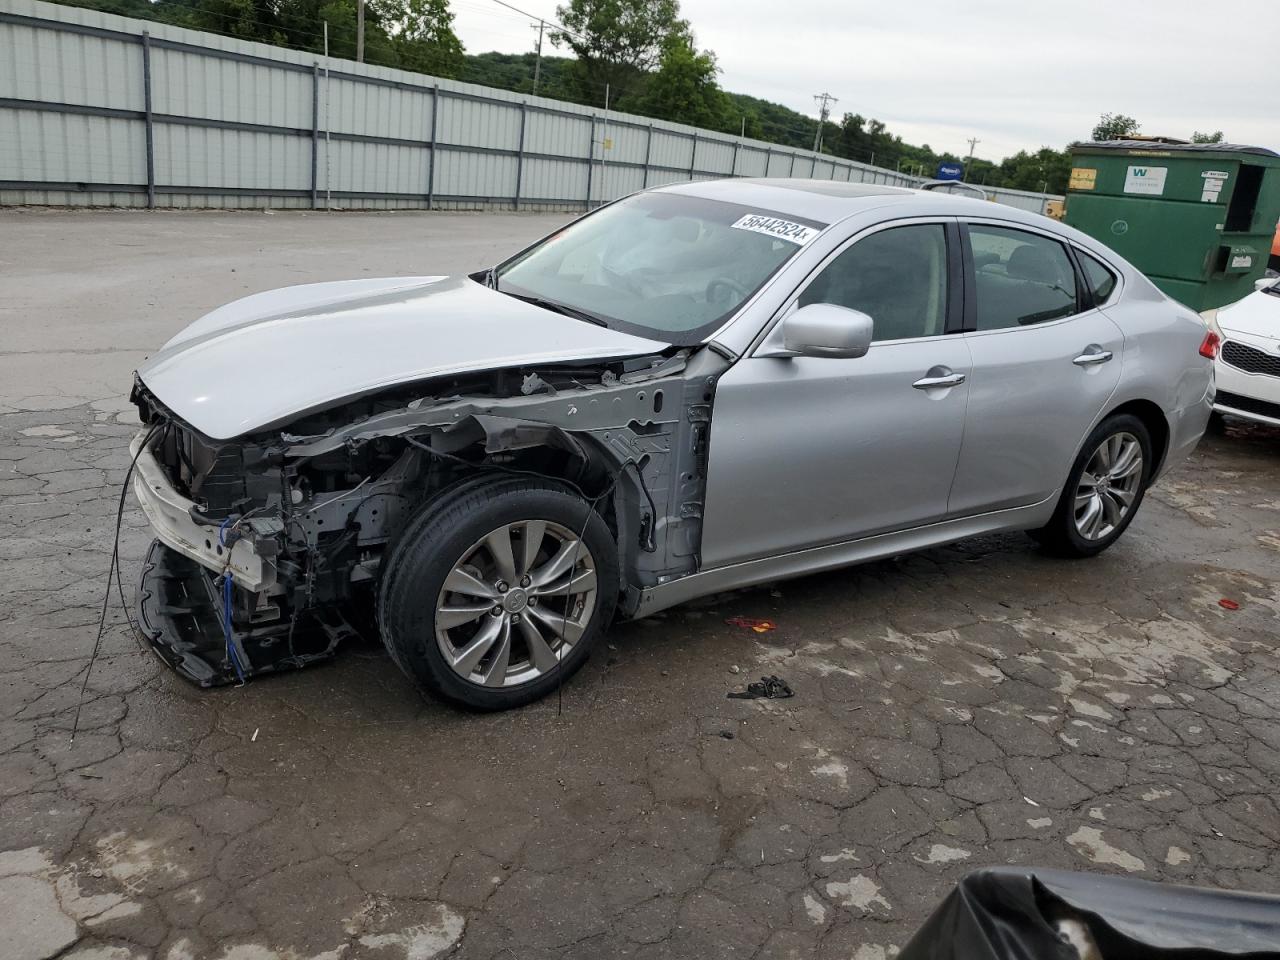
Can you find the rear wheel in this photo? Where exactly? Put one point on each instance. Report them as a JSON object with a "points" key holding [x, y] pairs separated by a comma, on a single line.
{"points": [[493, 597], [1103, 491]]}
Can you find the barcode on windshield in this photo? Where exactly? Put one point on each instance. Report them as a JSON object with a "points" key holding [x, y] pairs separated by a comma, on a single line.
{"points": [[796, 233]]}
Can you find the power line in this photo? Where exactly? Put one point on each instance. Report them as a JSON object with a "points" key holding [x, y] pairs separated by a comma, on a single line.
{"points": [[824, 101], [559, 26], [537, 64], [973, 142]]}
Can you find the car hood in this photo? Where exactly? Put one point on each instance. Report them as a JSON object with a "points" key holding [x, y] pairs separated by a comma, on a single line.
{"points": [[1258, 314], [271, 357]]}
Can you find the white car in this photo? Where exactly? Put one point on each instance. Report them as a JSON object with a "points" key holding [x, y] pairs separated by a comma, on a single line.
{"points": [[1248, 365]]}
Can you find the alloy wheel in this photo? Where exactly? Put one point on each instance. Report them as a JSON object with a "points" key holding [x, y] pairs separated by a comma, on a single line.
{"points": [[515, 603], [1108, 486]]}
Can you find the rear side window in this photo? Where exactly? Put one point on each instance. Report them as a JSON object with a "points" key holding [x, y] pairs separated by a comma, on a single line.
{"points": [[1021, 278], [1102, 282]]}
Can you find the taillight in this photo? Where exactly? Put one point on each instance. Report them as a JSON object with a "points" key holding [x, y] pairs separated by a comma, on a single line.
{"points": [[1211, 346]]}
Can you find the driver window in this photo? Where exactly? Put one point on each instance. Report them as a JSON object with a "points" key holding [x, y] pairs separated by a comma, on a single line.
{"points": [[898, 277]]}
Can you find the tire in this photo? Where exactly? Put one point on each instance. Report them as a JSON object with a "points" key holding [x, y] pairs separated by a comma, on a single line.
{"points": [[1217, 425], [1074, 530], [443, 562]]}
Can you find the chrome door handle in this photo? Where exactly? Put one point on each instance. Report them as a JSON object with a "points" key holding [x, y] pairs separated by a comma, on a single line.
{"points": [[1089, 359], [935, 383]]}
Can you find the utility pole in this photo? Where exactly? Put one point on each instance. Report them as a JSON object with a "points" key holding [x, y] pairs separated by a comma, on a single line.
{"points": [[973, 142], [328, 150], [360, 31], [537, 63], [824, 101]]}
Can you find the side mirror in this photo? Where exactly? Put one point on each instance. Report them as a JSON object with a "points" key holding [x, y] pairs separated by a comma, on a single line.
{"points": [[826, 330], [1262, 283]]}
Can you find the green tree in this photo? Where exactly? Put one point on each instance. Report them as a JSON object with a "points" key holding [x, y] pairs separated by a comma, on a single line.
{"points": [[749, 122], [852, 141], [1046, 170], [246, 19], [684, 89], [617, 42], [1115, 126], [1215, 137], [423, 38]]}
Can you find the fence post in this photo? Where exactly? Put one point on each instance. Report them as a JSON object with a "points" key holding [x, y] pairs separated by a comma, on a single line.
{"points": [[524, 113], [793, 166], [315, 135], [648, 154], [591, 158], [813, 166], [768, 160], [431, 160], [150, 124], [733, 167], [693, 157]]}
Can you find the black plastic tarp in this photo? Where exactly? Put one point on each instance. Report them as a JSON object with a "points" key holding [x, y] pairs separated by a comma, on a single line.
{"points": [[1009, 913]]}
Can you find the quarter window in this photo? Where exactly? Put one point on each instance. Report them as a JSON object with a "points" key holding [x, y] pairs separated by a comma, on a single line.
{"points": [[896, 276], [1102, 282], [1021, 278]]}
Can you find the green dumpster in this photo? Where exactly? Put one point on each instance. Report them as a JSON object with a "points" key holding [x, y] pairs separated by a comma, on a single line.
{"points": [[1197, 219]]}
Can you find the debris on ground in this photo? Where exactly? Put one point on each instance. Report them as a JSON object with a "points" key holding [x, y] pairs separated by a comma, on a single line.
{"points": [[752, 623], [1228, 604], [768, 688]]}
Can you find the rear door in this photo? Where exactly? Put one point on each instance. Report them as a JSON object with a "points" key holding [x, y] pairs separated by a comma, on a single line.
{"points": [[1045, 361]]}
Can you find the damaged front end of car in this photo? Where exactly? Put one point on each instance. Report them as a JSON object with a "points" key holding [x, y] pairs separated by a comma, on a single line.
{"points": [[269, 545]]}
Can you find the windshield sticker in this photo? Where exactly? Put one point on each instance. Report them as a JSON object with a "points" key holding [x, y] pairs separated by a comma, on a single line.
{"points": [[796, 233]]}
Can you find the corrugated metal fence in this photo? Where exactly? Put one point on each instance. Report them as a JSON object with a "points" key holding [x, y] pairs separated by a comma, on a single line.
{"points": [[97, 109]]}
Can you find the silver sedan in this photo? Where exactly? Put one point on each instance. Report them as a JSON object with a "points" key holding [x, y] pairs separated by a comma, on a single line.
{"points": [[695, 388]]}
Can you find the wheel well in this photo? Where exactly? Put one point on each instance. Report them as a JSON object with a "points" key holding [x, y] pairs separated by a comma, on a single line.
{"points": [[1153, 419], [555, 464]]}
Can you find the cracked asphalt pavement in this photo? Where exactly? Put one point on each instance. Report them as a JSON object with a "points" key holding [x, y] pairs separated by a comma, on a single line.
{"points": [[979, 704]]}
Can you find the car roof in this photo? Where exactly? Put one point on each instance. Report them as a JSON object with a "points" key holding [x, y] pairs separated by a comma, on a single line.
{"points": [[824, 201], [830, 201]]}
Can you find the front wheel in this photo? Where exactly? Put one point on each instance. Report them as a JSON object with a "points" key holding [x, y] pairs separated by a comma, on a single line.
{"points": [[494, 597], [1103, 491]]}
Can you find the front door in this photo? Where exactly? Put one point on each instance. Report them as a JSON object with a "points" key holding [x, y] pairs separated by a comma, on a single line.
{"points": [[1045, 362], [807, 451]]}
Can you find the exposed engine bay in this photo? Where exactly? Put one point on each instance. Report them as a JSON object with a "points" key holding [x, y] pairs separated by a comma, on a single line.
{"points": [[318, 502]]}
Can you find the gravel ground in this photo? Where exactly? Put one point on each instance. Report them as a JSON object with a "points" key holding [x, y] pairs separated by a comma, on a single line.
{"points": [[980, 704]]}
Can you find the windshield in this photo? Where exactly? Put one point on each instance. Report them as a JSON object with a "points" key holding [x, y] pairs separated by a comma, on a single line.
{"points": [[667, 266]]}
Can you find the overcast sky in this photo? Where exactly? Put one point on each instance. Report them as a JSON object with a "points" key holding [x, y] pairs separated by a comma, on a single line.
{"points": [[1016, 74]]}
